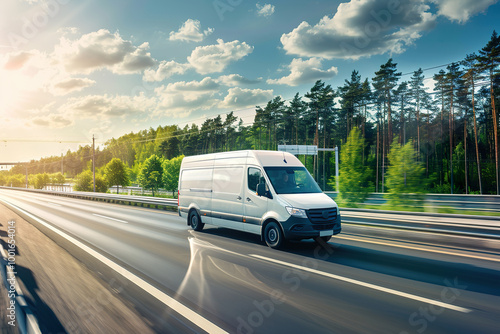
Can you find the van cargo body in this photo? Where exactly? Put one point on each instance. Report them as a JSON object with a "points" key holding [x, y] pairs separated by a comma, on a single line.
{"points": [[267, 193]]}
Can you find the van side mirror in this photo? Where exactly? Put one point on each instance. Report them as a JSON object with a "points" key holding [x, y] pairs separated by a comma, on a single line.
{"points": [[261, 189]]}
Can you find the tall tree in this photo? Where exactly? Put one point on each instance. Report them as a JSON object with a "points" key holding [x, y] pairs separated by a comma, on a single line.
{"points": [[417, 91], [402, 94], [320, 100], [366, 97], [384, 82], [489, 57], [351, 95], [296, 111], [440, 89], [471, 72], [452, 86]]}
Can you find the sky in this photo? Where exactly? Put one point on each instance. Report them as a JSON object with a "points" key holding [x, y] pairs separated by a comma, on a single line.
{"points": [[70, 69]]}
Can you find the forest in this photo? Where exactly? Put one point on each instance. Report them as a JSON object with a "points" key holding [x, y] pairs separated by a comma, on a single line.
{"points": [[453, 128]]}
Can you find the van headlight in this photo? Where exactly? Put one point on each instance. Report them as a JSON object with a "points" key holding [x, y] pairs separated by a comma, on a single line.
{"points": [[301, 213]]}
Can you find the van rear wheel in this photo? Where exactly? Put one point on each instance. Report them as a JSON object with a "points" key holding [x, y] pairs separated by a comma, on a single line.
{"points": [[195, 221], [273, 236]]}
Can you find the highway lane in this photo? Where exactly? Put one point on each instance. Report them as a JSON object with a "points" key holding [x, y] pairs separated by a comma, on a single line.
{"points": [[355, 284]]}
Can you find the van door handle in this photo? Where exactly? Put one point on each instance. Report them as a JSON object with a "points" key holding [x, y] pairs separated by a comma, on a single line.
{"points": [[238, 198]]}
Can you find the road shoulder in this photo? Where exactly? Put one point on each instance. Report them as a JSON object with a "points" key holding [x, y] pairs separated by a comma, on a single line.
{"points": [[63, 293]]}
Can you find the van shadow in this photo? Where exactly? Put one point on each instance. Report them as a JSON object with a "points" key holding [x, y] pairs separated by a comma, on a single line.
{"points": [[48, 321], [233, 235], [6, 246]]}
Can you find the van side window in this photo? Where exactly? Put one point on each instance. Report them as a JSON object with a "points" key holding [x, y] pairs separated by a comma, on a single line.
{"points": [[254, 175]]}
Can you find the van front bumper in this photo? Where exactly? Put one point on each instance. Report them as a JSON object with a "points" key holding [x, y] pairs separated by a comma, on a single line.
{"points": [[302, 228]]}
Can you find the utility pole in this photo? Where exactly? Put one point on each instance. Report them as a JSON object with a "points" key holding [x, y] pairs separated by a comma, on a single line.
{"points": [[93, 160]]}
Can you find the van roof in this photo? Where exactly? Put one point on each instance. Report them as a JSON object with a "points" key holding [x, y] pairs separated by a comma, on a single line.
{"points": [[264, 158]]}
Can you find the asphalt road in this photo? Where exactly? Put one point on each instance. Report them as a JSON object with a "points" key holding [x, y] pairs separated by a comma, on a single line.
{"points": [[230, 281]]}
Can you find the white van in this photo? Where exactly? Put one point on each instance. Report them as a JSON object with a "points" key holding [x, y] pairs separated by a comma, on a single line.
{"points": [[268, 193]]}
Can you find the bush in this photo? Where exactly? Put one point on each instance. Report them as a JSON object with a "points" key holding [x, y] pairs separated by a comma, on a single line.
{"points": [[354, 177], [84, 182], [42, 180], [404, 177]]}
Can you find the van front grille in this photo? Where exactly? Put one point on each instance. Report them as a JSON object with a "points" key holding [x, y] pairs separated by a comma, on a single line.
{"points": [[323, 219]]}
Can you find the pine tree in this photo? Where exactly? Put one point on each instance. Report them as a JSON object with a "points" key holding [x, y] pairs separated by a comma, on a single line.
{"points": [[417, 91], [489, 58], [351, 95], [452, 82], [384, 82], [296, 111], [440, 89], [402, 94]]}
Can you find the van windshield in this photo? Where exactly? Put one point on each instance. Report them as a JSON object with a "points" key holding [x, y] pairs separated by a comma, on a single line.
{"points": [[292, 180]]}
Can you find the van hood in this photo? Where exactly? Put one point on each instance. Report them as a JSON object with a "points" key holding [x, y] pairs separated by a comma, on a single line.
{"points": [[309, 201]]}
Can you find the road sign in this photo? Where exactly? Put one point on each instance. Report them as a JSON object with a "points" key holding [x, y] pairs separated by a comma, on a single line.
{"points": [[299, 149]]}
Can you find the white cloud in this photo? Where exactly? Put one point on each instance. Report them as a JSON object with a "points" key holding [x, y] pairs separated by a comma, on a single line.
{"points": [[53, 121], [361, 28], [70, 85], [47, 118], [183, 97], [215, 58], [165, 70], [236, 80], [304, 71], [242, 97], [104, 106], [462, 10], [190, 31], [17, 60], [102, 49], [265, 10]]}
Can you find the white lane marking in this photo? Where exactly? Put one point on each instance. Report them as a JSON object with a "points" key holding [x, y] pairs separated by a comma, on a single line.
{"points": [[367, 285], [170, 302], [417, 248], [106, 217], [54, 204]]}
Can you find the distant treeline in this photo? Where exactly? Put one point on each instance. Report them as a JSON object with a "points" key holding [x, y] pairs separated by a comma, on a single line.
{"points": [[453, 128]]}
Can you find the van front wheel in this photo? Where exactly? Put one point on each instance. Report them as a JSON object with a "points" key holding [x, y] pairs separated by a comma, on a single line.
{"points": [[273, 236], [195, 221]]}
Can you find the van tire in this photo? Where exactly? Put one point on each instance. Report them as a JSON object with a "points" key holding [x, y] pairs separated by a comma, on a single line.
{"points": [[195, 221], [273, 236]]}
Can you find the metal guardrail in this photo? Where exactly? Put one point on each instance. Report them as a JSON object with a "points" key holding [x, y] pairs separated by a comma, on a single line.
{"points": [[110, 198], [484, 203]]}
